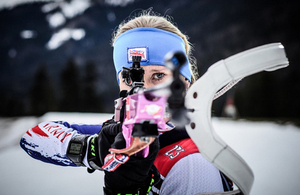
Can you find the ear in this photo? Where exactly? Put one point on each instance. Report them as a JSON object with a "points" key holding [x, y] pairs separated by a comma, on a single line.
{"points": [[187, 83]]}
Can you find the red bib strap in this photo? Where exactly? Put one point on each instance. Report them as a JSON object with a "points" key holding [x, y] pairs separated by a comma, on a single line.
{"points": [[170, 154]]}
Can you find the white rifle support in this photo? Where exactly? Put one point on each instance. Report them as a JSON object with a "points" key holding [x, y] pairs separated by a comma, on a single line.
{"points": [[199, 99]]}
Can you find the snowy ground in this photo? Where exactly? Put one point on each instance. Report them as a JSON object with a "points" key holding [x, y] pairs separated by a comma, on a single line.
{"points": [[271, 150]]}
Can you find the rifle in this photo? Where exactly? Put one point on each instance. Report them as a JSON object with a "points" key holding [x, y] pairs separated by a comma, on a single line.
{"points": [[140, 129], [142, 111]]}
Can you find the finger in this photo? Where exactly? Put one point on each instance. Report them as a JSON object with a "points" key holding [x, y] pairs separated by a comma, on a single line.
{"points": [[112, 129], [119, 142]]}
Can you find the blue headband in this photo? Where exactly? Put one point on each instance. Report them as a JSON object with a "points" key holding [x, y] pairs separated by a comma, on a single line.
{"points": [[151, 44]]}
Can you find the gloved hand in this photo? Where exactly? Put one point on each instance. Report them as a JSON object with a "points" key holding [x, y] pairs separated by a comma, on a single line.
{"points": [[132, 177]]}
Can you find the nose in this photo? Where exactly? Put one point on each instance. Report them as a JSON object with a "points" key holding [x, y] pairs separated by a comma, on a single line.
{"points": [[146, 84]]}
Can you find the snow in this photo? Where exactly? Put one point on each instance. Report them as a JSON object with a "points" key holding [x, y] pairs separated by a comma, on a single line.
{"points": [[9, 4], [121, 3], [28, 34], [270, 149], [67, 10], [55, 20], [64, 35], [74, 8]]}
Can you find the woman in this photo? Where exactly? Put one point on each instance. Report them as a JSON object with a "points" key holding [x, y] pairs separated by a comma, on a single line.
{"points": [[182, 168]]}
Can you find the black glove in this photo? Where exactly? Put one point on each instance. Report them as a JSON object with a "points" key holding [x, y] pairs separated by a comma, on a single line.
{"points": [[82, 144], [132, 177]]}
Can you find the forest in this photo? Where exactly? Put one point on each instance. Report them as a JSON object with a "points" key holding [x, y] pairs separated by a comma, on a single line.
{"points": [[76, 76]]}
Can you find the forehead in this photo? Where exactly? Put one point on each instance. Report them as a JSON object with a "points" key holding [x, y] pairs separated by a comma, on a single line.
{"points": [[149, 69], [155, 68]]}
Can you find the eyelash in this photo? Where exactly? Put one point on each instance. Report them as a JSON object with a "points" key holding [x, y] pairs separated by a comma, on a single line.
{"points": [[158, 74], [153, 77]]}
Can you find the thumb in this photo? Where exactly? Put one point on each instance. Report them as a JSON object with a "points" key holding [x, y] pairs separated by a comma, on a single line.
{"points": [[112, 130], [119, 142]]}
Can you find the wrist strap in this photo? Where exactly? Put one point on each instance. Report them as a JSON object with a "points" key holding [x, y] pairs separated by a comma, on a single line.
{"points": [[93, 156], [77, 149]]}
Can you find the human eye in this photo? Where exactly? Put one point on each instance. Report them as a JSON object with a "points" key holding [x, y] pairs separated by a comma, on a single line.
{"points": [[158, 76]]}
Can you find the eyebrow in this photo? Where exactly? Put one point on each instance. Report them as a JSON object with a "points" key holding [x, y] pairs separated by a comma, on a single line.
{"points": [[158, 69]]}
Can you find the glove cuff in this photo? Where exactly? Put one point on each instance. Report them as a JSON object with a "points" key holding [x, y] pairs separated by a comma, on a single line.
{"points": [[93, 155]]}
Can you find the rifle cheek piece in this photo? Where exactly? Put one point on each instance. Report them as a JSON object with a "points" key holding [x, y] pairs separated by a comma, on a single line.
{"points": [[145, 129]]}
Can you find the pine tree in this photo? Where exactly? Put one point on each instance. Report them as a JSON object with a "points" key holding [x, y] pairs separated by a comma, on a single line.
{"points": [[91, 100], [42, 97], [11, 106], [71, 91]]}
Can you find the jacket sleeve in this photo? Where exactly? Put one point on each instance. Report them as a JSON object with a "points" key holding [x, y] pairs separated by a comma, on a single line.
{"points": [[48, 141]]}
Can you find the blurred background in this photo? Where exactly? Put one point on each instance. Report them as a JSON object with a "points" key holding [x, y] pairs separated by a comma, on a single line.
{"points": [[56, 55]]}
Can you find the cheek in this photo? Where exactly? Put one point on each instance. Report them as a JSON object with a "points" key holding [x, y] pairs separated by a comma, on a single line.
{"points": [[123, 86]]}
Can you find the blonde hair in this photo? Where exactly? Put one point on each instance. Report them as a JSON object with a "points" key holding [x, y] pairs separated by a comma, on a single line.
{"points": [[148, 18]]}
